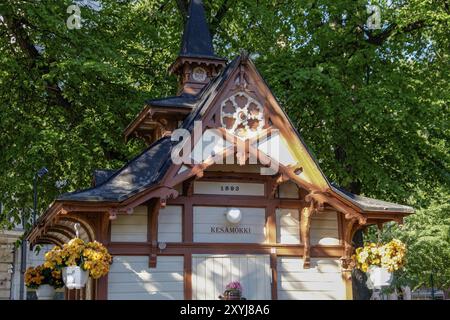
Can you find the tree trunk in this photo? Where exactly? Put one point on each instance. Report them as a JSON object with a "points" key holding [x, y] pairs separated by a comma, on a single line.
{"points": [[359, 278]]}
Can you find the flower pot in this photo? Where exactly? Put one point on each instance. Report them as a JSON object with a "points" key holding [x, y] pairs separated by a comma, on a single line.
{"points": [[379, 277], [45, 292], [232, 295], [74, 277]]}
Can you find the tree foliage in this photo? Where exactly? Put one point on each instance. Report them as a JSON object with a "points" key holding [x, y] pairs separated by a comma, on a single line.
{"points": [[372, 103], [427, 236]]}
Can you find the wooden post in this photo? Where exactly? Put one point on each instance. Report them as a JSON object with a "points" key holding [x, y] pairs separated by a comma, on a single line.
{"points": [[187, 276], [188, 221], [103, 237], [154, 233], [273, 265]]}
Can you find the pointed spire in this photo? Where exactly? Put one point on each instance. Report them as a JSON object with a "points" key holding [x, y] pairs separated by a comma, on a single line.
{"points": [[197, 40], [196, 64]]}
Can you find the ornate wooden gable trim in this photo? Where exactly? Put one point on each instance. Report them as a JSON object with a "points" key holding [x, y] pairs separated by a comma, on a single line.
{"points": [[243, 102]]}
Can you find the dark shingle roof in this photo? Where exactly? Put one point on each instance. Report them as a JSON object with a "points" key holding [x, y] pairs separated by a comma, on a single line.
{"points": [[149, 167], [101, 175], [370, 204], [142, 172], [196, 40]]}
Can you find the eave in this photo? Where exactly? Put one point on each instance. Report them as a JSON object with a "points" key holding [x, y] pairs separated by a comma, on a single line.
{"points": [[146, 115], [200, 60]]}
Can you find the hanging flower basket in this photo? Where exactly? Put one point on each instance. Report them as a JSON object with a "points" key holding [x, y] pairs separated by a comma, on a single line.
{"points": [[44, 280], [78, 261], [74, 277], [379, 261], [45, 292], [379, 277]]}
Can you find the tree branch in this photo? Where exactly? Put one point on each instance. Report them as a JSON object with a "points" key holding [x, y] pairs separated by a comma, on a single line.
{"points": [[378, 39], [183, 6], [220, 14], [56, 97]]}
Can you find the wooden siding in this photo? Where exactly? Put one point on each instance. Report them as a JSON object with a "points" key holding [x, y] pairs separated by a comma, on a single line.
{"points": [[130, 278], [288, 226], [170, 224], [324, 228], [211, 274], [288, 190], [130, 227], [323, 281]]}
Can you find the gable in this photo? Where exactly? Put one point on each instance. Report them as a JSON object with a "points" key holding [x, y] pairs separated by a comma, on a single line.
{"points": [[153, 173], [243, 107]]}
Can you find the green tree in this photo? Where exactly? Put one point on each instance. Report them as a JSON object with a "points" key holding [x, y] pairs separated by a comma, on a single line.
{"points": [[370, 101]]}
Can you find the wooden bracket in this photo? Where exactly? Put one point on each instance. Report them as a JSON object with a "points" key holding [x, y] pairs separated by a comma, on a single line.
{"points": [[280, 178], [112, 214], [305, 228]]}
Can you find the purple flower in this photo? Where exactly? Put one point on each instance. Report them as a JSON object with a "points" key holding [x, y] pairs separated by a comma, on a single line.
{"points": [[234, 285]]}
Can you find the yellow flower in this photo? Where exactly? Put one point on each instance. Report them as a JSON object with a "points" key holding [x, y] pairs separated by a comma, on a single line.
{"points": [[390, 255]]}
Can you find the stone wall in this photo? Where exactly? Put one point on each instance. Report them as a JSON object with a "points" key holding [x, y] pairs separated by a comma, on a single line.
{"points": [[7, 253]]}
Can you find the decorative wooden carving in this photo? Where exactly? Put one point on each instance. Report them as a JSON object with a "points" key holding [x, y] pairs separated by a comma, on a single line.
{"points": [[350, 227], [280, 179], [305, 226], [112, 214], [323, 197], [242, 115]]}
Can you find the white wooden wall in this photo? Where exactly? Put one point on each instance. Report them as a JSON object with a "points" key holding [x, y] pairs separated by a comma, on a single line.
{"points": [[207, 217], [130, 227], [170, 224], [288, 190], [130, 278], [323, 281], [288, 226], [211, 274], [324, 229]]}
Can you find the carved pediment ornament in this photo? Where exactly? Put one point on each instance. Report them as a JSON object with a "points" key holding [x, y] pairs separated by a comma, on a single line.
{"points": [[348, 212], [167, 193], [305, 229], [242, 115]]}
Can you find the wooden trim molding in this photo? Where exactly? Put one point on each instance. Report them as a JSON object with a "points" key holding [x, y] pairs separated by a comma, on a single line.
{"points": [[238, 201], [177, 249]]}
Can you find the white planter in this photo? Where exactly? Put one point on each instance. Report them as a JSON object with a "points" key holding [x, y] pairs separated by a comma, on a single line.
{"points": [[45, 292], [74, 277], [379, 277]]}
